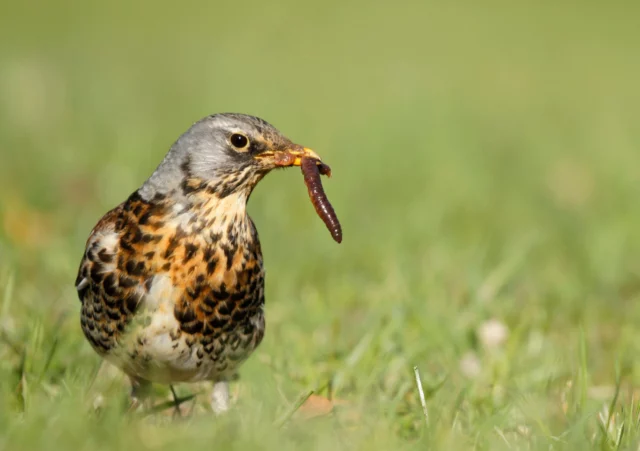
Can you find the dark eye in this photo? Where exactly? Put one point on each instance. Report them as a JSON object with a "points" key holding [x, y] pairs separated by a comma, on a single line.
{"points": [[239, 141]]}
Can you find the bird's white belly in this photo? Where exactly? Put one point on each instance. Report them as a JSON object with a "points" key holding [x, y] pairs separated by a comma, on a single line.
{"points": [[153, 347]]}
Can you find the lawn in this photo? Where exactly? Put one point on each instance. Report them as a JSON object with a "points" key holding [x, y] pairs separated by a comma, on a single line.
{"points": [[486, 170]]}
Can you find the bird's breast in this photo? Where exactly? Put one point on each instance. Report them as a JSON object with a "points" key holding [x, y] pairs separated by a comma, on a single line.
{"points": [[202, 312], [216, 267], [176, 285]]}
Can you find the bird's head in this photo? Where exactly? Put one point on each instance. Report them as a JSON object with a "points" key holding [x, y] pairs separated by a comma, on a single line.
{"points": [[226, 154]]}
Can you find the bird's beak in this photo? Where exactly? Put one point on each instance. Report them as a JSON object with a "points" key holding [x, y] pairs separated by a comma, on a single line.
{"points": [[288, 157]]}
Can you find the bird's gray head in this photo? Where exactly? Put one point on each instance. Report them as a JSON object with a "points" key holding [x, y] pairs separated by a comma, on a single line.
{"points": [[221, 155]]}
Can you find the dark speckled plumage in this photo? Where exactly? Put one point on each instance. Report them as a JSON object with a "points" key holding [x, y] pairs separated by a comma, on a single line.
{"points": [[172, 279]]}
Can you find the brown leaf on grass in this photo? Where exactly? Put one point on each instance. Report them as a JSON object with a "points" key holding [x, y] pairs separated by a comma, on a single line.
{"points": [[315, 406], [318, 406]]}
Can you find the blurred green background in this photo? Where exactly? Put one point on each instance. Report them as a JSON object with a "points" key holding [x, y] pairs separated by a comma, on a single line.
{"points": [[486, 163]]}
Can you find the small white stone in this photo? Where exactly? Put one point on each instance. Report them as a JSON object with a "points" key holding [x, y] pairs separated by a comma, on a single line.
{"points": [[492, 334]]}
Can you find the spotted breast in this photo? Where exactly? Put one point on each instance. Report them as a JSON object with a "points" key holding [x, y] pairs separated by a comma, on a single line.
{"points": [[170, 295]]}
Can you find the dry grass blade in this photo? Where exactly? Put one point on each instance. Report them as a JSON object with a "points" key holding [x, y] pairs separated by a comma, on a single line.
{"points": [[423, 401]]}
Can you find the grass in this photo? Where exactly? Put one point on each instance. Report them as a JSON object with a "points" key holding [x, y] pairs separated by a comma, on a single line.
{"points": [[485, 165]]}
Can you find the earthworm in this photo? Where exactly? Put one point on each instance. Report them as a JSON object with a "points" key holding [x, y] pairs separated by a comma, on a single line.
{"points": [[311, 170]]}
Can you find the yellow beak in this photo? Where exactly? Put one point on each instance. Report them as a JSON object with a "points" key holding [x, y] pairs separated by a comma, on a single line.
{"points": [[288, 157], [298, 155]]}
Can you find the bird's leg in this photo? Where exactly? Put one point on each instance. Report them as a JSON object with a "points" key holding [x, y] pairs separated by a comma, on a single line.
{"points": [[140, 390], [220, 397], [176, 400]]}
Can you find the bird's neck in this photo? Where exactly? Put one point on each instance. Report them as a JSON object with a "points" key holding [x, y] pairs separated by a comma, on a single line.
{"points": [[200, 213], [197, 206], [219, 213]]}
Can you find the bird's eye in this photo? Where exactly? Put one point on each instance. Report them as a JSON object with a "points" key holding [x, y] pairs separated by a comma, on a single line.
{"points": [[239, 141]]}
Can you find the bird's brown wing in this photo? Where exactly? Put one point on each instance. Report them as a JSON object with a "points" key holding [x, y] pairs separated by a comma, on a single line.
{"points": [[110, 286]]}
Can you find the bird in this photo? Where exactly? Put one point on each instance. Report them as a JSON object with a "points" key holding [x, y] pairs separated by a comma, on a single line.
{"points": [[171, 282]]}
